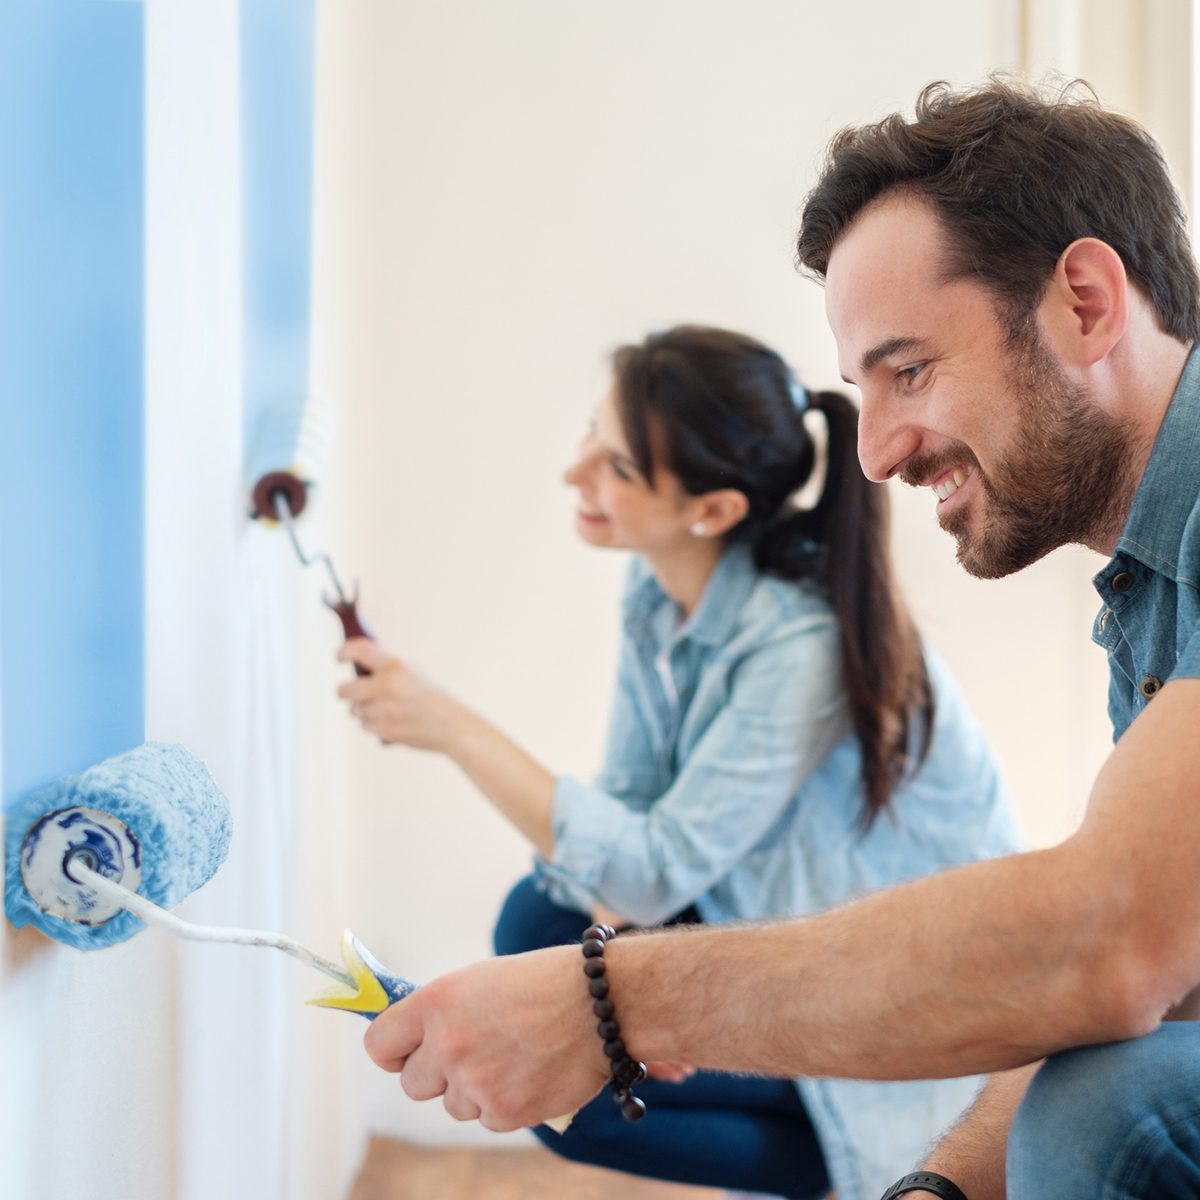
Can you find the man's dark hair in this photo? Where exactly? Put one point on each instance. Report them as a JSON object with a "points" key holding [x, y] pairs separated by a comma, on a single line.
{"points": [[1016, 176]]}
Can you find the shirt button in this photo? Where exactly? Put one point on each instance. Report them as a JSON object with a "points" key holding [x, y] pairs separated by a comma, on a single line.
{"points": [[1149, 686], [1122, 581]]}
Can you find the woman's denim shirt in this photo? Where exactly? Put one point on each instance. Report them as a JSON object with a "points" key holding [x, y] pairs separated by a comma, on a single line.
{"points": [[732, 781]]}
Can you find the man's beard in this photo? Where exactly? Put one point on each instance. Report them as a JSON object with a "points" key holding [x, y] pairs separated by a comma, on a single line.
{"points": [[1067, 480]]}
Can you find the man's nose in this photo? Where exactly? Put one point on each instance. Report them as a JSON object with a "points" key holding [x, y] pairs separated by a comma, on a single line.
{"points": [[885, 443]]}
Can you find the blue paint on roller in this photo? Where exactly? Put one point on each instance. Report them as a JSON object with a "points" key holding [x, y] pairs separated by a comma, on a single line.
{"points": [[170, 803]]}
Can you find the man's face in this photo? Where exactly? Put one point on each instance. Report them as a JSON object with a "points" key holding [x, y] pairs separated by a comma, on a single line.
{"points": [[1019, 460]]}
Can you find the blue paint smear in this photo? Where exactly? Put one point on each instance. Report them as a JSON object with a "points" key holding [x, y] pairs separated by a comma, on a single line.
{"points": [[277, 61], [71, 392]]}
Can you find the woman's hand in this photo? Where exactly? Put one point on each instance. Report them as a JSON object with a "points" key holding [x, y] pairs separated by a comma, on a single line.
{"points": [[395, 703], [399, 707], [670, 1072]]}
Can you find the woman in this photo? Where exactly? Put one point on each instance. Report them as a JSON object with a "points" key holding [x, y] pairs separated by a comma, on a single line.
{"points": [[780, 742]]}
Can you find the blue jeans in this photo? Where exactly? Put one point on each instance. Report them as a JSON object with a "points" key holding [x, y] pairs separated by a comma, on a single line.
{"points": [[1115, 1122], [715, 1130]]}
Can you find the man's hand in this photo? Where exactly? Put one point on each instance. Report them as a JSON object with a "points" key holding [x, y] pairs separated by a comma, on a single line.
{"points": [[510, 1042]]}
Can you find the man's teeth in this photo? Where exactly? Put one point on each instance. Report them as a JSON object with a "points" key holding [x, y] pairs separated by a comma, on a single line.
{"points": [[944, 488]]}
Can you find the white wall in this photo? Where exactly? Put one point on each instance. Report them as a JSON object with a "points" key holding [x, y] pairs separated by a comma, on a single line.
{"points": [[504, 193], [257, 1100]]}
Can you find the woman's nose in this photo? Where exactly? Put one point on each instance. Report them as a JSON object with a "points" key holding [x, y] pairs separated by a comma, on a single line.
{"points": [[578, 470]]}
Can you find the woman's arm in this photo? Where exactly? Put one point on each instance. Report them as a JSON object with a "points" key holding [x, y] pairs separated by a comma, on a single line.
{"points": [[781, 714], [400, 707], [643, 854]]}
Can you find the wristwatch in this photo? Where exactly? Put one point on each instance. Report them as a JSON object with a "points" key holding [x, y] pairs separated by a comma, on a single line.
{"points": [[925, 1181]]}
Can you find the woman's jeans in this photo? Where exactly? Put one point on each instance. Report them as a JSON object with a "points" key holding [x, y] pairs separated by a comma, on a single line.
{"points": [[714, 1129], [1115, 1122]]}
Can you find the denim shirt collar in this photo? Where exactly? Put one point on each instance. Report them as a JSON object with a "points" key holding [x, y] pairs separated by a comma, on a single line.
{"points": [[712, 622], [1167, 493]]}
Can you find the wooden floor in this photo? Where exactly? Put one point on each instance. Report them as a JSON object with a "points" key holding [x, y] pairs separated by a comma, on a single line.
{"points": [[399, 1171]]}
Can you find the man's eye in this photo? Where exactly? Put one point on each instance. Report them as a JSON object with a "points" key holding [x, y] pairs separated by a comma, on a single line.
{"points": [[908, 375]]}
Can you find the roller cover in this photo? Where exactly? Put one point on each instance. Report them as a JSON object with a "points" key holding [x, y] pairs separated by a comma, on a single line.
{"points": [[169, 802], [291, 436]]}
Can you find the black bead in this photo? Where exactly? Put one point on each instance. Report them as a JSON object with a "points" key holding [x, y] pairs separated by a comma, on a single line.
{"points": [[603, 1009], [633, 1109], [598, 987], [594, 933], [608, 1029], [593, 968], [625, 1073], [593, 948], [609, 931], [615, 1048]]}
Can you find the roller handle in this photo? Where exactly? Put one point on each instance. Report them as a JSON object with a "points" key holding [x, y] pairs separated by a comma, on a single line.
{"points": [[352, 626]]}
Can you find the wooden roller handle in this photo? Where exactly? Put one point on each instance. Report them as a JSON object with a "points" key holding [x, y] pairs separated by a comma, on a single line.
{"points": [[352, 626]]}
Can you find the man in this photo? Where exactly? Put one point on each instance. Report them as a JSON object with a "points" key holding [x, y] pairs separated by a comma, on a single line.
{"points": [[1011, 287]]}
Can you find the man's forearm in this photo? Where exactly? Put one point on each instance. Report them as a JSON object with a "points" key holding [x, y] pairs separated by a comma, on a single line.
{"points": [[975, 970]]}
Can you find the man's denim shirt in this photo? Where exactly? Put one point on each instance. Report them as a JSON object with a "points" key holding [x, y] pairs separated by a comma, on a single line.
{"points": [[1150, 622], [732, 781]]}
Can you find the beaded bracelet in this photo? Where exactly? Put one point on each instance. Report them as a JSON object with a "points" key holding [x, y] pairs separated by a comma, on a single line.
{"points": [[625, 1071]]}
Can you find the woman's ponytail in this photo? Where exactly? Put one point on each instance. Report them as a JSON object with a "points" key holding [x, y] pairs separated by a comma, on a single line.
{"points": [[883, 666]]}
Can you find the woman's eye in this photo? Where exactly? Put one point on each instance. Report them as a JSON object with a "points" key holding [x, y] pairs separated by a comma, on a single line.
{"points": [[620, 471]]}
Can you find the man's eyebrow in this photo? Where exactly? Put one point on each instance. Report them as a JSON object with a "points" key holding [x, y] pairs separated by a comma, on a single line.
{"points": [[896, 345]]}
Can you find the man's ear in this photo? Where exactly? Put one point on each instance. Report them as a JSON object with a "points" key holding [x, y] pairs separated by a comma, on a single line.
{"points": [[718, 512], [1086, 306]]}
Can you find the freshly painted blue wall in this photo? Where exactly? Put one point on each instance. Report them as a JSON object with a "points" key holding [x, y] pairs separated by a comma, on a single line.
{"points": [[71, 349], [277, 70], [71, 391]]}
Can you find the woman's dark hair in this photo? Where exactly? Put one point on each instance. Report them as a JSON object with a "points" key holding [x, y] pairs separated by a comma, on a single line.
{"points": [[1016, 177], [720, 410]]}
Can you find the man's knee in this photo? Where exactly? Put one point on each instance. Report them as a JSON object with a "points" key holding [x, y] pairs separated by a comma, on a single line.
{"points": [[1090, 1113]]}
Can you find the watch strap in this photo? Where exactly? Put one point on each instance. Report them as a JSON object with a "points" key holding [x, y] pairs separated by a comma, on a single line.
{"points": [[925, 1181]]}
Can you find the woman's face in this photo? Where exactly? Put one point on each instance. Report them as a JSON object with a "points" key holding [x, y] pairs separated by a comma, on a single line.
{"points": [[618, 507]]}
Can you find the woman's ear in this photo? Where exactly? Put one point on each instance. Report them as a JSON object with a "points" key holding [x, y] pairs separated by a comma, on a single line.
{"points": [[716, 513], [1086, 306]]}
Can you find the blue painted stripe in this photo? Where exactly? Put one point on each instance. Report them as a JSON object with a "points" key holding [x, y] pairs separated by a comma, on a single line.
{"points": [[71, 391], [277, 59]]}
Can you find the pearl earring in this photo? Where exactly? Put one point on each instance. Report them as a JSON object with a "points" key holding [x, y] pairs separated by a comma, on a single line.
{"points": [[699, 529]]}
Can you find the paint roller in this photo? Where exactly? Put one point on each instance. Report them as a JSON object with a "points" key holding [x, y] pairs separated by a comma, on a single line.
{"points": [[90, 858], [288, 454]]}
